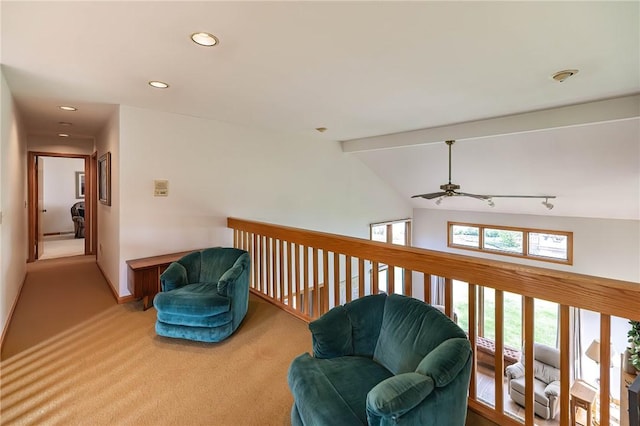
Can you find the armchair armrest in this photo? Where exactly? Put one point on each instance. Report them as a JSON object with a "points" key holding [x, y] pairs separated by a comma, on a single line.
{"points": [[553, 389], [514, 371], [446, 361], [228, 279], [332, 334], [173, 277], [396, 395]]}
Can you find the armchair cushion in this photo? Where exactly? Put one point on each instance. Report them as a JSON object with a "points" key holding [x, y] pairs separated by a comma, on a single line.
{"points": [[411, 320], [195, 300], [315, 381]]}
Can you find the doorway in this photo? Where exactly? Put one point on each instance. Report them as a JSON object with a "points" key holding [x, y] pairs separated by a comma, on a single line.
{"points": [[60, 205]]}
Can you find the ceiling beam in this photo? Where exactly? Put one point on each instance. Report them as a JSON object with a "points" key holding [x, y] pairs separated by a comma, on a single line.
{"points": [[574, 115]]}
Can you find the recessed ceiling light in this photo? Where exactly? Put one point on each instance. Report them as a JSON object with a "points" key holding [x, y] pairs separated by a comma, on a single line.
{"points": [[67, 108], [63, 135], [158, 84], [204, 39], [64, 123], [561, 76]]}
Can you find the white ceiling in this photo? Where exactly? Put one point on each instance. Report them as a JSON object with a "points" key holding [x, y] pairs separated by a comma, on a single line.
{"points": [[361, 69]]}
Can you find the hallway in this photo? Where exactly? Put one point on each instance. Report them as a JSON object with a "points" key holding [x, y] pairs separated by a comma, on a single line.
{"points": [[54, 298]]}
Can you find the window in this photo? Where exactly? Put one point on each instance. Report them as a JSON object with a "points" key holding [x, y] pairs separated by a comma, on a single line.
{"points": [[549, 246], [393, 232]]}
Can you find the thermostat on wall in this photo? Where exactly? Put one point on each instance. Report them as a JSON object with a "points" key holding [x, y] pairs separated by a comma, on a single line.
{"points": [[160, 188]]}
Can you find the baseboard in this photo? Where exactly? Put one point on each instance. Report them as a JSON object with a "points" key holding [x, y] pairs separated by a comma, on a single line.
{"points": [[13, 307], [119, 300]]}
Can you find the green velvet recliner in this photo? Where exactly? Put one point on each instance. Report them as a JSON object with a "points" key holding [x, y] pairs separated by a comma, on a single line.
{"points": [[205, 295], [382, 360]]}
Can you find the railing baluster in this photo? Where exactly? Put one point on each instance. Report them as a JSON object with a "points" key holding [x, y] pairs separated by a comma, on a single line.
{"points": [[281, 270], [307, 301], [263, 272], [360, 277], [299, 282], [274, 267], [499, 355], [375, 288], [269, 270], [427, 287], [528, 313], [605, 368], [565, 367], [336, 279], [472, 321], [448, 297], [325, 289], [347, 278], [408, 282], [256, 263], [316, 286], [290, 288]]}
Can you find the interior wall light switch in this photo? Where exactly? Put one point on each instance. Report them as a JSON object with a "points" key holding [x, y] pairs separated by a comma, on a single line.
{"points": [[160, 188]]}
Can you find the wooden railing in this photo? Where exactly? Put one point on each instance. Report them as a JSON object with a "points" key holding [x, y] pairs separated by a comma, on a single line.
{"points": [[307, 273]]}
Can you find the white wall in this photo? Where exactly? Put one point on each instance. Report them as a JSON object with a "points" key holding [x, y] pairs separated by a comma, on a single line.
{"points": [[13, 196], [59, 192], [216, 170], [108, 217], [601, 247], [55, 144]]}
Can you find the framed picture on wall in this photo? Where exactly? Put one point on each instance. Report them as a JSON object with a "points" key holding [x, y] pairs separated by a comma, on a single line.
{"points": [[79, 185], [104, 179]]}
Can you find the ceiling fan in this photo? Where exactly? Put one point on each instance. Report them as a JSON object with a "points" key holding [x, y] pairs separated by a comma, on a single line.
{"points": [[451, 190]]}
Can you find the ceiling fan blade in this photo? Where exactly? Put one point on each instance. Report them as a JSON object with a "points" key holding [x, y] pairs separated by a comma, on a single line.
{"points": [[520, 196], [479, 197], [430, 196]]}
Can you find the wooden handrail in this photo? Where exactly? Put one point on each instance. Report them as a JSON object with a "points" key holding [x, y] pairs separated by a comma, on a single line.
{"points": [[303, 272], [604, 295]]}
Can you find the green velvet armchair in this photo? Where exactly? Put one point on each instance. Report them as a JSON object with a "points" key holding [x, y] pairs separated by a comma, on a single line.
{"points": [[205, 295], [382, 360]]}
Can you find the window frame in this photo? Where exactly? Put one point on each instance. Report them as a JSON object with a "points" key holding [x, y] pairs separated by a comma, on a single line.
{"points": [[389, 224], [525, 241]]}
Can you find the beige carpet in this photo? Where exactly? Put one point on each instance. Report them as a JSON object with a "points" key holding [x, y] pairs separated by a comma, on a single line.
{"points": [[110, 368]]}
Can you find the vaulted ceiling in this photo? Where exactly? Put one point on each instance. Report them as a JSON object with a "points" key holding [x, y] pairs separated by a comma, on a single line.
{"points": [[360, 69]]}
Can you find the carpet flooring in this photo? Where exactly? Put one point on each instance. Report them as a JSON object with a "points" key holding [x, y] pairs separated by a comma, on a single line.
{"points": [[103, 364]]}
